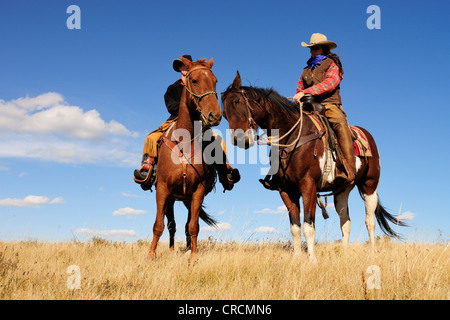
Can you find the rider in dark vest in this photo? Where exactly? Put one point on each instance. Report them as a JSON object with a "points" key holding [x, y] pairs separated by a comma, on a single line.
{"points": [[228, 175]]}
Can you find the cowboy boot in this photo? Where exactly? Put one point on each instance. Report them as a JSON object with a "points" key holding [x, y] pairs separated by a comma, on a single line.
{"points": [[228, 176], [269, 182], [346, 143], [143, 174]]}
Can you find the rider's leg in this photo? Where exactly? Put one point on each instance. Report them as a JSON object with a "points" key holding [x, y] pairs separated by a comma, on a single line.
{"points": [[338, 120]]}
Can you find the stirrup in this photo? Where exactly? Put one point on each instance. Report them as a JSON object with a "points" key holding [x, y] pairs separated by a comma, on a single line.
{"points": [[140, 177], [268, 184]]}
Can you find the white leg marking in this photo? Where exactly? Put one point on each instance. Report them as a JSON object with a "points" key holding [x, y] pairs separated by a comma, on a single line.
{"points": [[371, 202], [345, 232], [297, 237], [310, 234]]}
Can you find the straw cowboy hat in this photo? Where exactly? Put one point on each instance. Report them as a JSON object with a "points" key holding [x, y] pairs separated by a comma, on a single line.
{"points": [[319, 39], [177, 62]]}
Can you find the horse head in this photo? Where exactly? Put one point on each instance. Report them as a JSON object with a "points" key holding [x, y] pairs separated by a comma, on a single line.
{"points": [[201, 83], [239, 114]]}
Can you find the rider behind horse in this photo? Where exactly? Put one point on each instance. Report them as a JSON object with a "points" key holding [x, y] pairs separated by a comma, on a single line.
{"points": [[228, 176]]}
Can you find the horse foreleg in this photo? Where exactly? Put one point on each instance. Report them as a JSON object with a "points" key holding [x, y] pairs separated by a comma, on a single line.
{"points": [[186, 228], [171, 225], [341, 206], [309, 194], [196, 203], [293, 206], [158, 227]]}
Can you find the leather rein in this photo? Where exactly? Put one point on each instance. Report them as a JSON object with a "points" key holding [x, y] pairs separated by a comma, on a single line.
{"points": [[274, 141]]}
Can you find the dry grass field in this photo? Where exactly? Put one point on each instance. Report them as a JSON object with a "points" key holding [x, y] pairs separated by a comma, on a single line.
{"points": [[111, 270]]}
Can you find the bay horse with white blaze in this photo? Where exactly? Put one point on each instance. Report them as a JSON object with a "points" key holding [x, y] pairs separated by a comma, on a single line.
{"points": [[301, 167], [179, 176]]}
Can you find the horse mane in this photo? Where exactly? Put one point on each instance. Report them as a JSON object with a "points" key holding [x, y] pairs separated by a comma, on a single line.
{"points": [[267, 95], [201, 62]]}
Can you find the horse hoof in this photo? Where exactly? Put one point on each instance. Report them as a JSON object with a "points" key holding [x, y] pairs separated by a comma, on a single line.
{"points": [[151, 256], [313, 259], [193, 259]]}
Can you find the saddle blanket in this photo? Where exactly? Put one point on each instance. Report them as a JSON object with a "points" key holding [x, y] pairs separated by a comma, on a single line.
{"points": [[361, 144]]}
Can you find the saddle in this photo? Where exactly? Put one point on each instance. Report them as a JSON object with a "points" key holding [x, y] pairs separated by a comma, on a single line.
{"points": [[185, 160], [361, 147], [316, 111]]}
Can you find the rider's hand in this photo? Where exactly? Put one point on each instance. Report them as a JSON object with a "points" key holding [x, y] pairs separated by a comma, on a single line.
{"points": [[298, 96]]}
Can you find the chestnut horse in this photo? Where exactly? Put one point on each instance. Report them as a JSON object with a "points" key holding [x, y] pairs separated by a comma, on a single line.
{"points": [[181, 173], [300, 172]]}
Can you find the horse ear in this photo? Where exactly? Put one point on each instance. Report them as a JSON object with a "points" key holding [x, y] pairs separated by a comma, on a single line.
{"points": [[237, 81], [186, 62], [210, 62]]}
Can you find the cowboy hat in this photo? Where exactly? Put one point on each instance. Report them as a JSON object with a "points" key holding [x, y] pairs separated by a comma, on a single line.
{"points": [[177, 63], [319, 39]]}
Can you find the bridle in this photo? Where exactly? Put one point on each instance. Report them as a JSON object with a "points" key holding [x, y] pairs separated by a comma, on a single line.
{"points": [[250, 111], [198, 96]]}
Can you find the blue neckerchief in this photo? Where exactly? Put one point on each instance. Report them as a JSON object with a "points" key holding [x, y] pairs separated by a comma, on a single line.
{"points": [[314, 62]]}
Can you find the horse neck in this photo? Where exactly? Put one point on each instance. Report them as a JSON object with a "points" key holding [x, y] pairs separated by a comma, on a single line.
{"points": [[279, 119], [185, 118]]}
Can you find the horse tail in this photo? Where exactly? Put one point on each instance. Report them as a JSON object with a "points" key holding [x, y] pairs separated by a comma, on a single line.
{"points": [[209, 220], [383, 217]]}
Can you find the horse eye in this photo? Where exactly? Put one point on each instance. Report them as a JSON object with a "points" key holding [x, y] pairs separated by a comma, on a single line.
{"points": [[194, 81], [236, 101]]}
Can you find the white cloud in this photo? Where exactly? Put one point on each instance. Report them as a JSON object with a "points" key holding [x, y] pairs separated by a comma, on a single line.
{"points": [[29, 201], [278, 210], [48, 113], [47, 128], [407, 215], [263, 229], [106, 233], [129, 195], [221, 226], [128, 212]]}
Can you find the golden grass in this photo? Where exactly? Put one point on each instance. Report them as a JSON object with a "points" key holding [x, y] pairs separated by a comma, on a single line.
{"points": [[109, 270]]}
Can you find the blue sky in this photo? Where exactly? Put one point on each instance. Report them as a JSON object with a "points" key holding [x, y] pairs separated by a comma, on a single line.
{"points": [[76, 105]]}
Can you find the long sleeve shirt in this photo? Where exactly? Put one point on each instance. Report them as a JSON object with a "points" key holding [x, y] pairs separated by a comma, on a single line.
{"points": [[331, 81]]}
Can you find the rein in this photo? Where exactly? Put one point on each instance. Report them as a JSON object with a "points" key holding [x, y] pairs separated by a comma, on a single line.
{"points": [[271, 141], [198, 96]]}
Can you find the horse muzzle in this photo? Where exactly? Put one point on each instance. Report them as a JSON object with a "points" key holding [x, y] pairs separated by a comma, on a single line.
{"points": [[213, 119], [243, 140]]}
